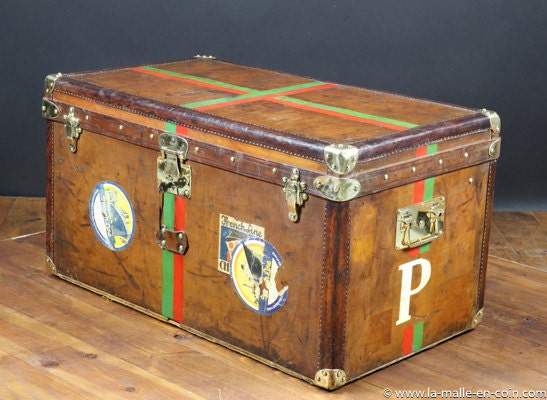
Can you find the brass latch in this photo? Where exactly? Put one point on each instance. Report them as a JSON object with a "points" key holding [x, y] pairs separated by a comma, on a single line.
{"points": [[294, 193], [175, 241], [173, 175], [72, 129], [419, 223]]}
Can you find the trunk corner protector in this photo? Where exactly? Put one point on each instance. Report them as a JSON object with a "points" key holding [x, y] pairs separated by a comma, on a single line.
{"points": [[330, 378]]}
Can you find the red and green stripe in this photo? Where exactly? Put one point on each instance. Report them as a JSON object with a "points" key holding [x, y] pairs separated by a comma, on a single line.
{"points": [[278, 95], [413, 338], [174, 212], [423, 191]]}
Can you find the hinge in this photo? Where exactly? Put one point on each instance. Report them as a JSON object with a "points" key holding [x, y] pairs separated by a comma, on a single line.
{"points": [[341, 158], [330, 378], [337, 189], [49, 84], [49, 109], [72, 129], [173, 175], [294, 193], [175, 241], [495, 121]]}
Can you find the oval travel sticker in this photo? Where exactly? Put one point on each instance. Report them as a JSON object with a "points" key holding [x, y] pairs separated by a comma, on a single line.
{"points": [[253, 267], [111, 215]]}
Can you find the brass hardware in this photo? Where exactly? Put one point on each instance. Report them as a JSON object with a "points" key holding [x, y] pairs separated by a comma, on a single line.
{"points": [[337, 189], [49, 109], [175, 241], [494, 148], [341, 158], [173, 175], [495, 121], [419, 223], [50, 265], [49, 84], [478, 318], [72, 129], [330, 378], [294, 193]]}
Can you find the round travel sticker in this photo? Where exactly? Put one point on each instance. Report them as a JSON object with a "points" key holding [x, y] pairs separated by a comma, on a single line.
{"points": [[111, 215], [253, 267]]}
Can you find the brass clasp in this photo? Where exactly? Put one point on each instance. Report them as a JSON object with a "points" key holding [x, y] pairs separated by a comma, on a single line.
{"points": [[294, 193], [173, 175]]}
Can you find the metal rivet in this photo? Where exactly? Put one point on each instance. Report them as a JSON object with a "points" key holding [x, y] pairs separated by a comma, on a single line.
{"points": [[196, 149], [386, 177], [121, 127], [441, 161], [181, 247], [151, 136], [274, 170], [470, 180], [232, 159], [413, 169], [163, 243], [180, 236], [87, 117], [466, 154]]}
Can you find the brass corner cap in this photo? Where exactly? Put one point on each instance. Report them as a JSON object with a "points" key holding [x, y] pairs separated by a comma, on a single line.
{"points": [[495, 121], [341, 158], [49, 84], [330, 378]]}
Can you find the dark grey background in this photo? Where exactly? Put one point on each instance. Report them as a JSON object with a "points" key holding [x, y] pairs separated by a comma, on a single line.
{"points": [[476, 53]]}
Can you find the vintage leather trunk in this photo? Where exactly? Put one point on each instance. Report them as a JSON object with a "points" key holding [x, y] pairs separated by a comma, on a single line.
{"points": [[322, 229]]}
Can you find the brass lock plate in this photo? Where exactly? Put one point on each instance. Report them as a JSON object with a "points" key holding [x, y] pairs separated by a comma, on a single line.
{"points": [[419, 223]]}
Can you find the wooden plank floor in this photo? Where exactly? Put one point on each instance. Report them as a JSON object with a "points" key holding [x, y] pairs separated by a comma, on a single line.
{"points": [[58, 341]]}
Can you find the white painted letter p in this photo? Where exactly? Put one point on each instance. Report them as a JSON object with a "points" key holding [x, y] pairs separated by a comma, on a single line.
{"points": [[406, 289]]}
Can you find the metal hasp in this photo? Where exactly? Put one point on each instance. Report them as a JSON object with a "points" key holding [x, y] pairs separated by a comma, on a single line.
{"points": [[72, 129], [175, 241], [330, 378], [173, 175], [341, 158], [294, 193], [419, 223]]}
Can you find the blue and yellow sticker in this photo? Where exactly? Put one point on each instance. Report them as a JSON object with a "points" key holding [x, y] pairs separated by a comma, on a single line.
{"points": [[111, 215], [254, 265]]}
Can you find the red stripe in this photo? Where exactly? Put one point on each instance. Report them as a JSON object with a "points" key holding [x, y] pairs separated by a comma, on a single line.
{"points": [[408, 337], [178, 259], [339, 114], [188, 80]]}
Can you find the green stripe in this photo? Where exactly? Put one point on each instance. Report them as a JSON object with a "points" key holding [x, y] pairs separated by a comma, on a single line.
{"points": [[167, 258], [170, 127], [429, 184], [253, 93], [197, 78], [348, 112], [418, 337]]}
